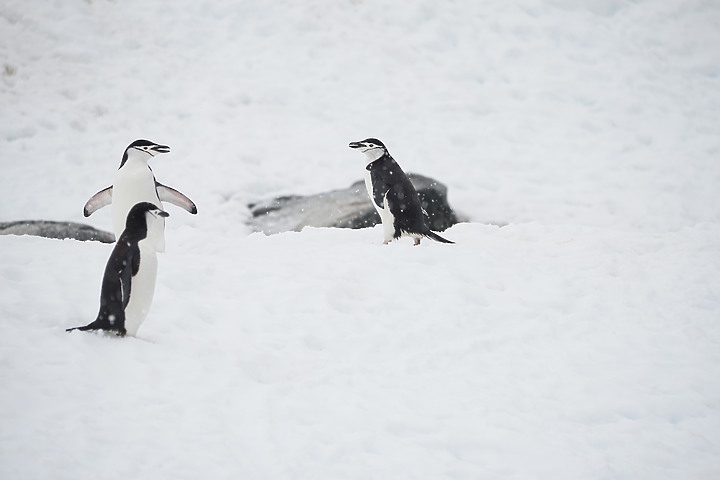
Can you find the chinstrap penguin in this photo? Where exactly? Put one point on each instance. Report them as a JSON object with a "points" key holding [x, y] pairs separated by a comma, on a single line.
{"points": [[393, 195], [134, 183], [128, 284]]}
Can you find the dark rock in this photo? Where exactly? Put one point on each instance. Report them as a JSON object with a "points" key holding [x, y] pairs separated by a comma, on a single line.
{"points": [[346, 208], [61, 230]]}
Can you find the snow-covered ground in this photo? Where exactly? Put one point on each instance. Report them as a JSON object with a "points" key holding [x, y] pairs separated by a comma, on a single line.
{"points": [[581, 341]]}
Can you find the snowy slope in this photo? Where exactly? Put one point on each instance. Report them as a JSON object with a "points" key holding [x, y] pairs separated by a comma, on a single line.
{"points": [[522, 352], [580, 341]]}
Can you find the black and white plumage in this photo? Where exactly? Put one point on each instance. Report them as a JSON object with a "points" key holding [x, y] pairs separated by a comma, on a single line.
{"points": [[128, 284], [134, 183], [393, 195]]}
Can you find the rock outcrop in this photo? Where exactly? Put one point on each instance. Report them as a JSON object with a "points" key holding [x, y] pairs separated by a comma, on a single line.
{"points": [[61, 230], [345, 208]]}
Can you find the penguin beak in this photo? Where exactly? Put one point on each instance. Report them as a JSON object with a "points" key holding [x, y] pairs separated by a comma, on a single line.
{"points": [[355, 145], [163, 213], [160, 148]]}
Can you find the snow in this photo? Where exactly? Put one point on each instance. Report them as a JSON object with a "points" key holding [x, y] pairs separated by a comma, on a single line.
{"points": [[579, 341]]}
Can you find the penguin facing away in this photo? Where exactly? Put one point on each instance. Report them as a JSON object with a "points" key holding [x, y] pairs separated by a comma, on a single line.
{"points": [[134, 183], [128, 284], [393, 195]]}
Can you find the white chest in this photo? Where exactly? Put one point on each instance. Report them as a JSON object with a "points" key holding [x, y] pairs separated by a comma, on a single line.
{"points": [[142, 289], [135, 183]]}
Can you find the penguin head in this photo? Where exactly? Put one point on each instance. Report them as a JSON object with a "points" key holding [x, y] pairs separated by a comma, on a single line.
{"points": [[143, 214], [371, 147], [368, 144], [143, 150]]}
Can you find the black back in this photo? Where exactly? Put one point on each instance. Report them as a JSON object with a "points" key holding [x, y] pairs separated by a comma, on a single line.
{"points": [[122, 265]]}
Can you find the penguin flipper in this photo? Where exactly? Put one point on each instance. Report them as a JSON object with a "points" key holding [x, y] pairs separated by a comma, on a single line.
{"points": [[380, 192], [103, 198], [129, 269], [170, 195]]}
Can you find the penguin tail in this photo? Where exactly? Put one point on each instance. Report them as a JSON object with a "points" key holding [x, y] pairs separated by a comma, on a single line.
{"points": [[434, 236], [82, 329], [96, 326]]}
